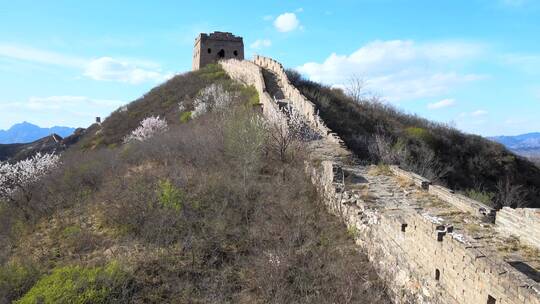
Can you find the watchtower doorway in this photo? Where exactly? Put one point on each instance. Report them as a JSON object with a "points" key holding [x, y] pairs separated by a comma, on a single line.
{"points": [[221, 54]]}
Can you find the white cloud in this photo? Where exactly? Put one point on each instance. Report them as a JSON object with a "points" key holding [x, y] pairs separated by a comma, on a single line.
{"points": [[39, 56], [261, 43], [75, 111], [109, 69], [516, 121], [399, 69], [478, 113], [286, 22], [442, 104], [131, 70], [528, 63], [473, 120]]}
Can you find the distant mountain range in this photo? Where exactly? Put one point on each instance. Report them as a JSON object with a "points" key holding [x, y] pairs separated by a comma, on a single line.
{"points": [[26, 132], [524, 144]]}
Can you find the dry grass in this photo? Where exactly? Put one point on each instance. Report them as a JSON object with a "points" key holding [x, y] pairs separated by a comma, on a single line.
{"points": [[404, 182], [510, 245], [380, 169]]}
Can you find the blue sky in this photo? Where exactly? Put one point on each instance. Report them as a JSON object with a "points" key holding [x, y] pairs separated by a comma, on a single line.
{"points": [[473, 64]]}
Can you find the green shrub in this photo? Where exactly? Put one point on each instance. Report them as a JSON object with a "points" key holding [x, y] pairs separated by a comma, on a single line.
{"points": [[169, 196], [15, 280], [212, 72], [251, 94], [419, 133], [353, 232], [185, 116], [481, 196], [76, 284], [71, 231]]}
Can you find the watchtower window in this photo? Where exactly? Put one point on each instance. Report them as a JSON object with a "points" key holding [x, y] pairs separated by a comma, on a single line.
{"points": [[403, 227], [440, 235], [221, 53], [235, 53], [209, 51], [491, 300], [437, 274]]}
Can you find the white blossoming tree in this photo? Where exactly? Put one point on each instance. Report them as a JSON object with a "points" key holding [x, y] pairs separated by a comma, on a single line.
{"points": [[149, 127], [287, 127], [16, 178], [213, 97]]}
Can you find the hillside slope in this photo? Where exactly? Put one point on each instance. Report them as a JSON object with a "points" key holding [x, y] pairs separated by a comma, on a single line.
{"points": [[377, 132], [204, 212]]}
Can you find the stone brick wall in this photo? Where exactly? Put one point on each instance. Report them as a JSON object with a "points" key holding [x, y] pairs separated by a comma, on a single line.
{"points": [[523, 223], [464, 203], [421, 257], [299, 102], [418, 180], [461, 202], [250, 74]]}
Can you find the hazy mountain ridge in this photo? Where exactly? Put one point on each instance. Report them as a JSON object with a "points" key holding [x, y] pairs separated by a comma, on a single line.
{"points": [[525, 144], [26, 132], [48, 144]]}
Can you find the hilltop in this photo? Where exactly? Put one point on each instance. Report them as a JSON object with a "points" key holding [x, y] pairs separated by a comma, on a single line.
{"points": [[205, 212]]}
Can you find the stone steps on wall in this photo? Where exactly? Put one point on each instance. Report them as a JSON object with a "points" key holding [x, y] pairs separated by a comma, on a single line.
{"points": [[272, 85]]}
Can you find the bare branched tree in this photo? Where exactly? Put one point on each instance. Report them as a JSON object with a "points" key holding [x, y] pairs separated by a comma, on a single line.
{"points": [[381, 148], [427, 165], [386, 150], [287, 128], [510, 194], [356, 88]]}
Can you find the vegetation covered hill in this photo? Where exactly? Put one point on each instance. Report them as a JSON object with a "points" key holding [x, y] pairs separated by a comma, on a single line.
{"points": [[377, 132], [203, 212]]}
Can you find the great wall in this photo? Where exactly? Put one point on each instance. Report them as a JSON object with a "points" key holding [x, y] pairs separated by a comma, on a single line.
{"points": [[430, 244]]}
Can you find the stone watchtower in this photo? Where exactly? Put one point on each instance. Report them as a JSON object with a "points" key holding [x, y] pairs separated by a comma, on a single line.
{"points": [[215, 46]]}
